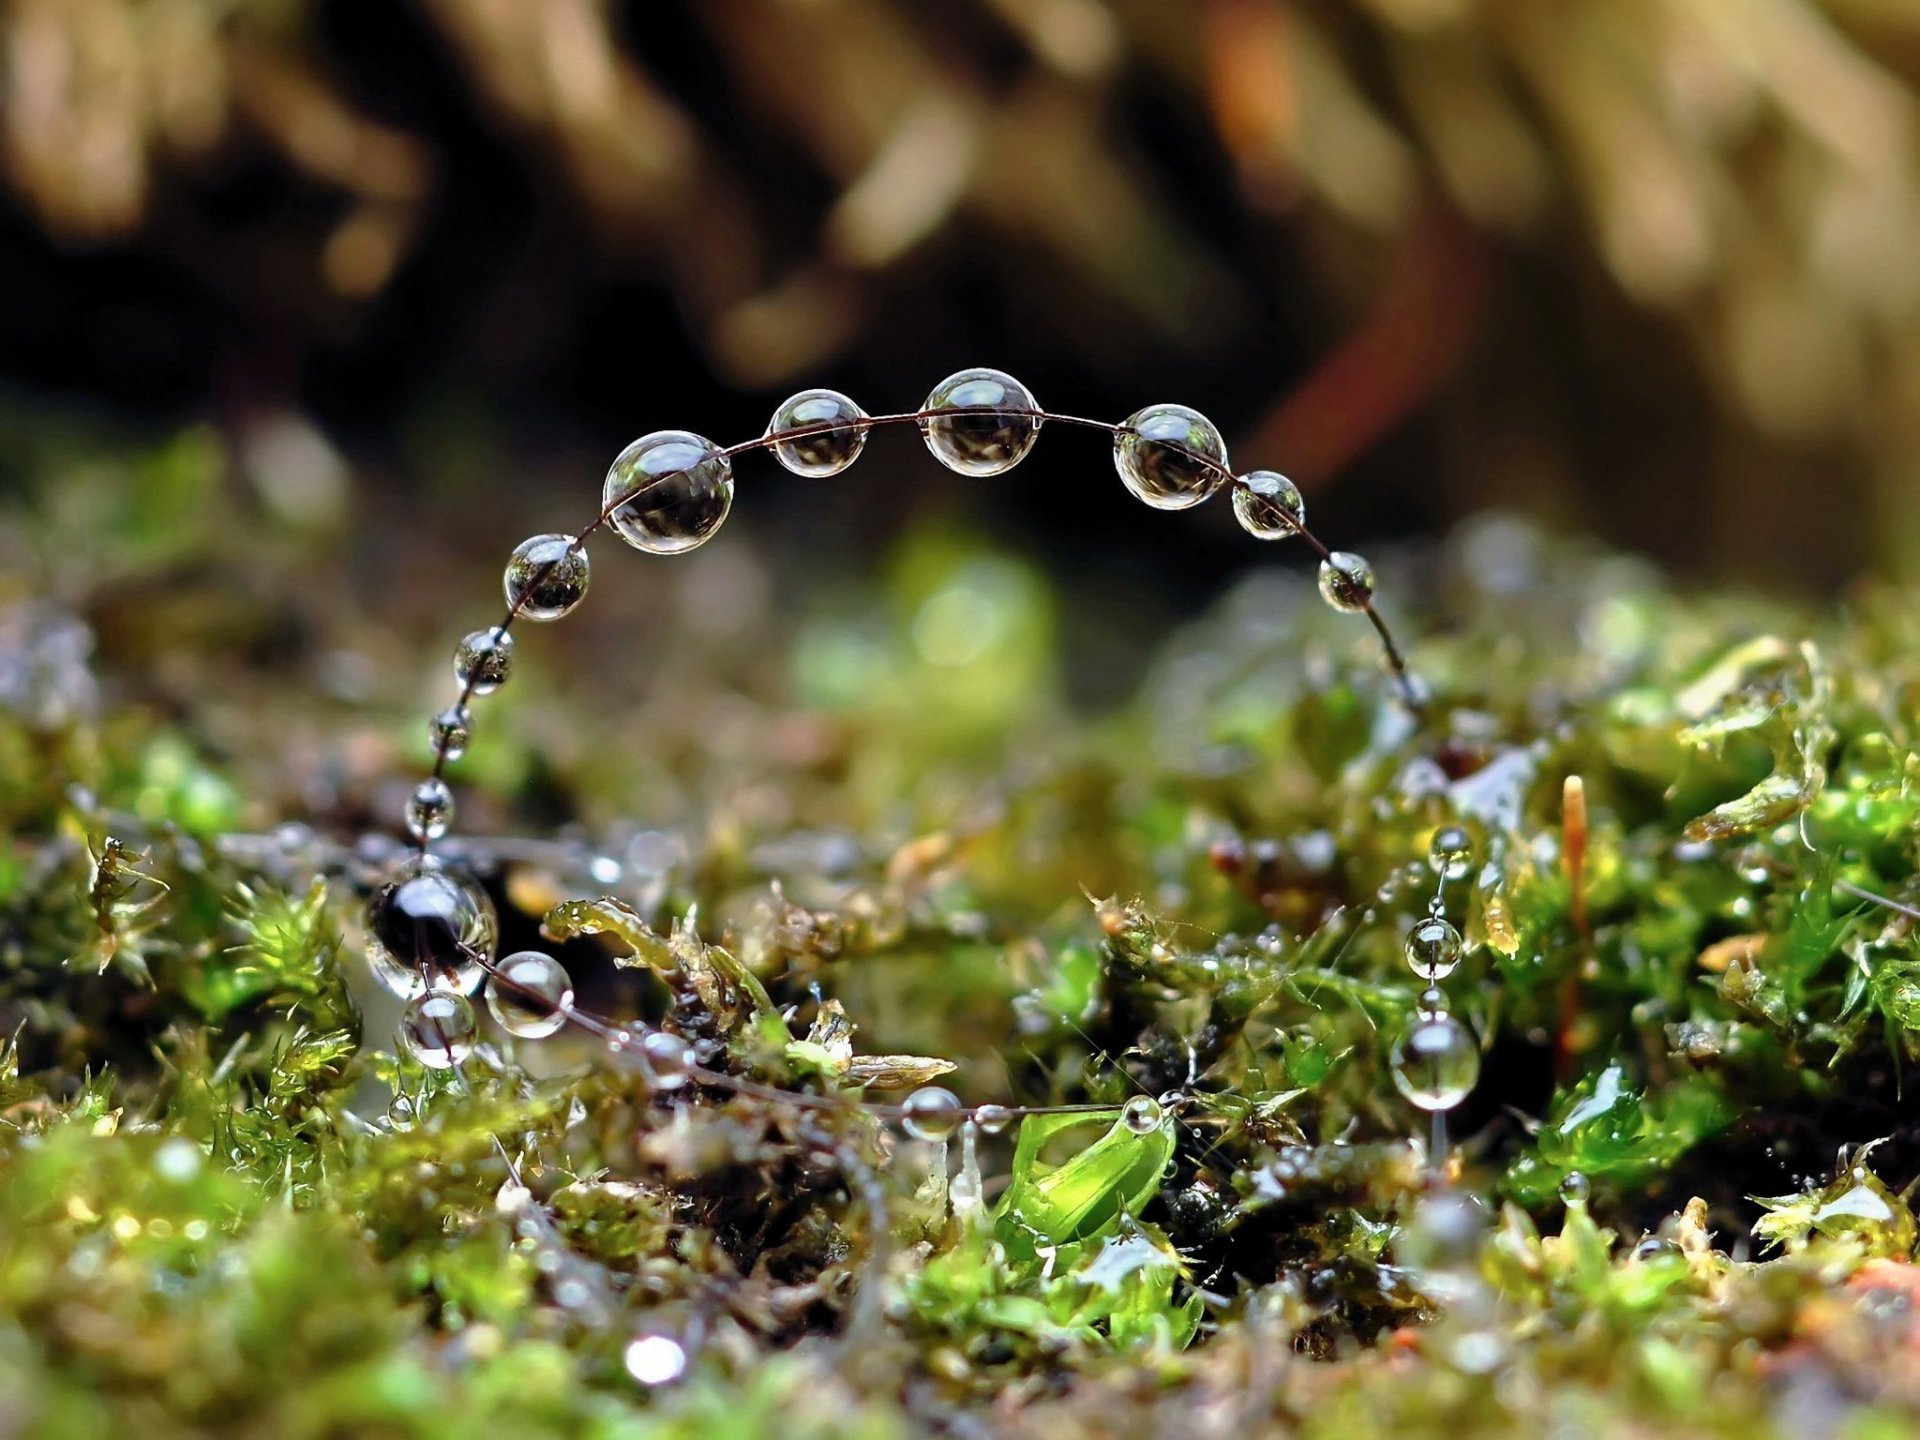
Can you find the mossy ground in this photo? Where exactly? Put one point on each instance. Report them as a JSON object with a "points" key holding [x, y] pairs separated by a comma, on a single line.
{"points": [[214, 1216]]}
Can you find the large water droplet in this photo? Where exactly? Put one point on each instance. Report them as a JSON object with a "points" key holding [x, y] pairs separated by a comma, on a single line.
{"points": [[1268, 505], [984, 444], [1346, 581], [931, 1113], [529, 994], [1574, 1189], [820, 452], [1435, 1063], [1433, 949], [438, 1029], [429, 927], [671, 490], [483, 661], [546, 576], [1142, 1115], [1170, 456]]}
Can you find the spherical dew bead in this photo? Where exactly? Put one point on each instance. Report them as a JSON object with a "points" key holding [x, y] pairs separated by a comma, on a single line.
{"points": [[931, 1113], [429, 928], [450, 731], [429, 809], [1346, 581], [668, 1059], [1142, 1115], [668, 492], [1268, 505], [546, 577], [1574, 1188], [484, 661], [529, 994], [1433, 949], [1451, 854], [988, 443], [1170, 456], [438, 1029], [819, 452], [992, 1119], [1435, 1063]]}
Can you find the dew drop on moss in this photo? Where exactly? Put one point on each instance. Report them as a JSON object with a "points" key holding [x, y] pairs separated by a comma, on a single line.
{"points": [[932, 1113]]}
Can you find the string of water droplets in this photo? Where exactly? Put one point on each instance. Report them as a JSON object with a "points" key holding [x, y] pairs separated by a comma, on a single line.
{"points": [[432, 931]]}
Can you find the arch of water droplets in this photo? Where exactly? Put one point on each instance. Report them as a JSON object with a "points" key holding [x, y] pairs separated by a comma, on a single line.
{"points": [[432, 930]]}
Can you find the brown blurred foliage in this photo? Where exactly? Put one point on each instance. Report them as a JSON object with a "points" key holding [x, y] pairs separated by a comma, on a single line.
{"points": [[1642, 254]]}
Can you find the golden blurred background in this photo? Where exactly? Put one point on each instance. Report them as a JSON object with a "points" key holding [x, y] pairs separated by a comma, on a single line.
{"points": [[1639, 268]]}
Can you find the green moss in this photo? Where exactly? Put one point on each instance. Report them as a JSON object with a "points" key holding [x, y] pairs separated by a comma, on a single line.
{"points": [[223, 1207]]}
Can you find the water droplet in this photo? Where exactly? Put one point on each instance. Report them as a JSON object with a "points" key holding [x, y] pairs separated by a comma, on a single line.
{"points": [[656, 1359], [1170, 456], [672, 489], [1433, 949], [1141, 1115], [823, 452], [985, 444], [546, 576], [1574, 1189], [1656, 1247], [1433, 1001], [450, 731], [931, 1113], [1444, 1233], [179, 1160], [992, 1119], [668, 1059], [429, 927], [429, 809], [1435, 1063], [1265, 501], [438, 1029], [1346, 581], [1451, 854], [484, 661], [530, 994], [401, 1113]]}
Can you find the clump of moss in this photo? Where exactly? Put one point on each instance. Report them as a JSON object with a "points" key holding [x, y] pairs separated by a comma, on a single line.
{"points": [[224, 1204]]}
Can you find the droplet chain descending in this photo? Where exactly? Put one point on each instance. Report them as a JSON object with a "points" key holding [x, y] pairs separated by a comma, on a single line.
{"points": [[432, 931]]}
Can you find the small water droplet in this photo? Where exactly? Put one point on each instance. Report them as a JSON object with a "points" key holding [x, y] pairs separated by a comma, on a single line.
{"points": [[546, 576], [1268, 505], [450, 731], [655, 1359], [401, 1113], [1346, 581], [931, 1113], [484, 660], [821, 452], [529, 994], [1433, 949], [1141, 1115], [1451, 854], [992, 1119], [438, 1029], [668, 1059], [430, 809], [1574, 1189]]}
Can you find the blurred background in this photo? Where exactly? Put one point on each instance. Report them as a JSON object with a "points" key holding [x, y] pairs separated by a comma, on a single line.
{"points": [[368, 291]]}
